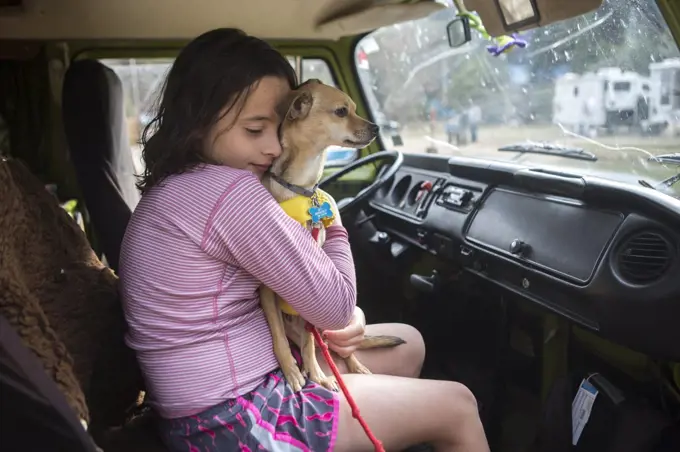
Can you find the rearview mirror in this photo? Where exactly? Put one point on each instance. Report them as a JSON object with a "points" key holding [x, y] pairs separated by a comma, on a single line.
{"points": [[458, 31], [501, 17], [518, 13]]}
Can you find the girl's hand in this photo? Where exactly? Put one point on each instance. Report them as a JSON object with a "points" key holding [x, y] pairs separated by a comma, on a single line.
{"points": [[344, 342]]}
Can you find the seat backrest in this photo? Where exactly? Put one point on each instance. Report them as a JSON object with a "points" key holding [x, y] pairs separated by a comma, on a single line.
{"points": [[96, 132], [62, 301]]}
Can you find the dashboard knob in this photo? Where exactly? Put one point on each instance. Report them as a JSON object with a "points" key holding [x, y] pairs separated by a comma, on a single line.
{"points": [[517, 247], [382, 237]]}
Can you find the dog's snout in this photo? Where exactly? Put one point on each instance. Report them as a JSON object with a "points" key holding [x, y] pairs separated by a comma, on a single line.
{"points": [[374, 128]]}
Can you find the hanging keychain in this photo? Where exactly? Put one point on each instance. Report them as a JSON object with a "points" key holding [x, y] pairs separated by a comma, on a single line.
{"points": [[502, 44]]}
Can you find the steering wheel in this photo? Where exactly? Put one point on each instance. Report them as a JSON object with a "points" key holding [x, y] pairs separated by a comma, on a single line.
{"points": [[397, 159]]}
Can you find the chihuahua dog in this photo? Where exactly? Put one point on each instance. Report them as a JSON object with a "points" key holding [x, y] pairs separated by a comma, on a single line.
{"points": [[314, 117]]}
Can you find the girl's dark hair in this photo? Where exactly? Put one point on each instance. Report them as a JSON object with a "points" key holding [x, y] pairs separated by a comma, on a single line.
{"points": [[218, 68]]}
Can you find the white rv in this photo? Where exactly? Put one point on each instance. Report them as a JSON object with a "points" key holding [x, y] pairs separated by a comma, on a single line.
{"points": [[605, 99], [665, 95]]}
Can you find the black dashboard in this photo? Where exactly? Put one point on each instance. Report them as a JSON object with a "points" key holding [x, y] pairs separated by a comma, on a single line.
{"points": [[604, 254]]}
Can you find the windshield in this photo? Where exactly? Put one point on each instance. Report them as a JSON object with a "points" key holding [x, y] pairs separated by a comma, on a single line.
{"points": [[607, 82]]}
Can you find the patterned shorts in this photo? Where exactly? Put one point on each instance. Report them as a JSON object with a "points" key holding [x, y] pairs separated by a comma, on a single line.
{"points": [[269, 418]]}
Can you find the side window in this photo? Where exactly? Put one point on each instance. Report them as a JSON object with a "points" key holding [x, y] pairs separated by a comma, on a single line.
{"points": [[315, 68], [142, 80], [622, 86], [665, 88], [676, 91]]}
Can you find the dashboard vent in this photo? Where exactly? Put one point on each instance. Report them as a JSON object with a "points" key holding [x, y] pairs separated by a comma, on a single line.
{"points": [[644, 258]]}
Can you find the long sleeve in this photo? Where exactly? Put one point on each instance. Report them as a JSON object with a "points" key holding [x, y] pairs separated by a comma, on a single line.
{"points": [[248, 227]]}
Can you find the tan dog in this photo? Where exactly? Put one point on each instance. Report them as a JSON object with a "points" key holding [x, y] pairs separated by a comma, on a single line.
{"points": [[316, 116]]}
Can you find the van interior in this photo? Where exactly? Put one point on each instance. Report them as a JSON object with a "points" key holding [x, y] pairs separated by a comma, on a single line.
{"points": [[529, 225]]}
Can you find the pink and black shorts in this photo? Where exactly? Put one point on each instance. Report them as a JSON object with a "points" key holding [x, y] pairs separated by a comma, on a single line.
{"points": [[272, 417]]}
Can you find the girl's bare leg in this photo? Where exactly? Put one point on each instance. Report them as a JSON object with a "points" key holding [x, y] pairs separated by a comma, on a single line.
{"points": [[403, 412], [406, 360]]}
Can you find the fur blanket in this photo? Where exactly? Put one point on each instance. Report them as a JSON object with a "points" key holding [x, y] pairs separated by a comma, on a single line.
{"points": [[63, 301]]}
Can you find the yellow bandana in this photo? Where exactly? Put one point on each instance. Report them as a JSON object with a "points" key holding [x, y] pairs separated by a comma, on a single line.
{"points": [[298, 208]]}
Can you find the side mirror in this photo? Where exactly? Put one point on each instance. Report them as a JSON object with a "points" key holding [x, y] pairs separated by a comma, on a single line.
{"points": [[397, 140], [338, 156], [458, 31]]}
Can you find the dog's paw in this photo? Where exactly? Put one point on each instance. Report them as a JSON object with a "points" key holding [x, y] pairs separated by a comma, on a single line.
{"points": [[354, 366], [330, 383], [358, 368], [293, 376], [319, 377]]}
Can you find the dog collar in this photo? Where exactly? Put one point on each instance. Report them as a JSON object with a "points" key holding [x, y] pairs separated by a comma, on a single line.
{"points": [[302, 191]]}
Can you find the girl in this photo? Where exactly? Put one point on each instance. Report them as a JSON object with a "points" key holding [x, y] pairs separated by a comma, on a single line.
{"points": [[204, 237]]}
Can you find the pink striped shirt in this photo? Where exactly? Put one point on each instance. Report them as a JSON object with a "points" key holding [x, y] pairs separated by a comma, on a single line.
{"points": [[192, 259]]}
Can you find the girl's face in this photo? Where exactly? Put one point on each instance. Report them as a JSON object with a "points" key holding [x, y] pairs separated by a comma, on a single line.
{"points": [[250, 141]]}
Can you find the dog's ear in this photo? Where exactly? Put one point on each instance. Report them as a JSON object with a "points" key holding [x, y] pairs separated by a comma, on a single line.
{"points": [[300, 106], [311, 81]]}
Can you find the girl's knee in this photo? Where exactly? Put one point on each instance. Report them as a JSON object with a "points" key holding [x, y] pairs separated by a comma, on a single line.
{"points": [[405, 360], [411, 355], [465, 394], [414, 350], [462, 400], [463, 427]]}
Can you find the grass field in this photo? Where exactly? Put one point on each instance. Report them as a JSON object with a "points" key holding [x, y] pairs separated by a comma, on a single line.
{"points": [[622, 156], [490, 138]]}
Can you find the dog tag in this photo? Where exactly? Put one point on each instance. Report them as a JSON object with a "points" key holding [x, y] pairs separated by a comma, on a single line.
{"points": [[320, 212]]}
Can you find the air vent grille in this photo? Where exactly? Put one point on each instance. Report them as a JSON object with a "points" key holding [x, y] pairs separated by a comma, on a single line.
{"points": [[644, 258]]}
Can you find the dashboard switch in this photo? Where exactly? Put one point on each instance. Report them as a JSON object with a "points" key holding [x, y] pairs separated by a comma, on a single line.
{"points": [[455, 197], [427, 284], [425, 188], [467, 254], [397, 249], [380, 238], [518, 247]]}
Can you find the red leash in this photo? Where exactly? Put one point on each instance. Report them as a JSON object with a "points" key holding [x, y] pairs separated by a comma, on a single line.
{"points": [[331, 363], [355, 409]]}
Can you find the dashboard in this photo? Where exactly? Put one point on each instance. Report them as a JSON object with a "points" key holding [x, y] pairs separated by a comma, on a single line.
{"points": [[604, 254]]}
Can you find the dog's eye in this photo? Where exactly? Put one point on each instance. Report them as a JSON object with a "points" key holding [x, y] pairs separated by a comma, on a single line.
{"points": [[341, 112]]}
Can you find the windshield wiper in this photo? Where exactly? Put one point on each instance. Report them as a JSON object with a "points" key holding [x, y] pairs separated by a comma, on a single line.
{"points": [[547, 148], [670, 181], [673, 159]]}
